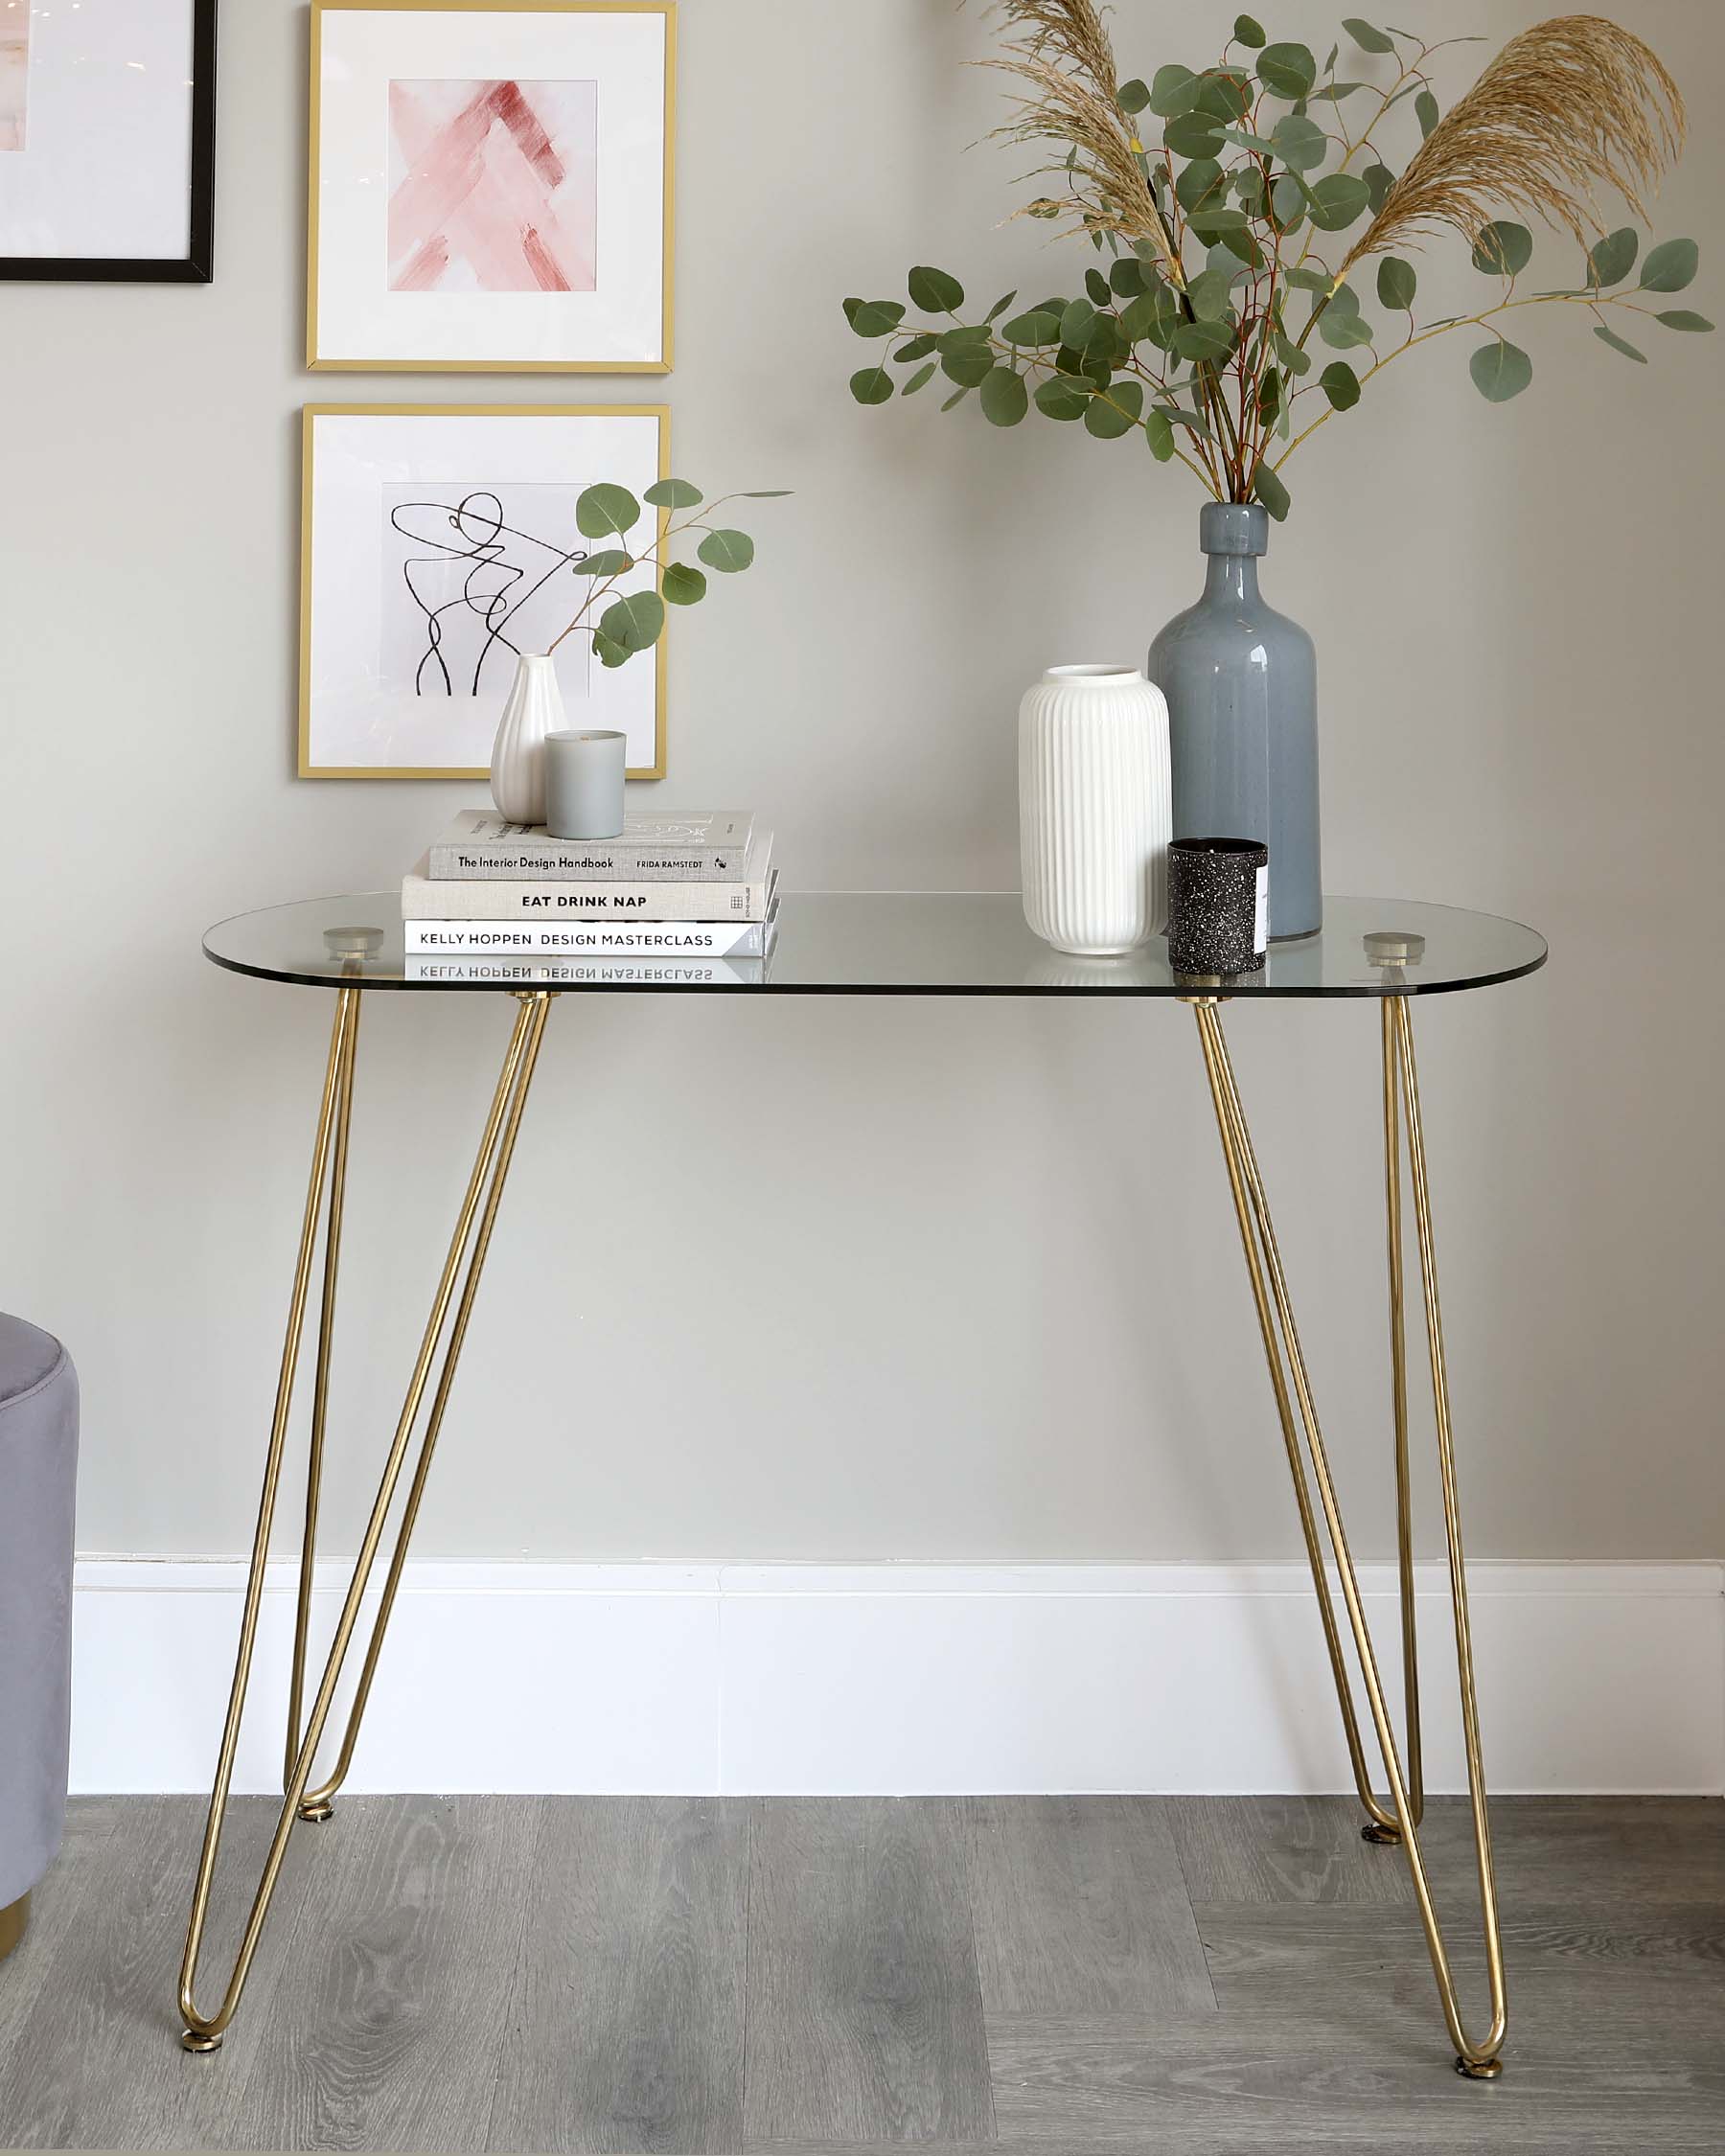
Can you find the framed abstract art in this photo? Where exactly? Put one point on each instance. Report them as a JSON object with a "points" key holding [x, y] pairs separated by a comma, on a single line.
{"points": [[438, 543], [491, 186], [108, 140]]}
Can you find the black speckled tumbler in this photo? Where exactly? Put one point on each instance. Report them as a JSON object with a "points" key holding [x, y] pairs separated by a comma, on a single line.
{"points": [[1217, 909]]}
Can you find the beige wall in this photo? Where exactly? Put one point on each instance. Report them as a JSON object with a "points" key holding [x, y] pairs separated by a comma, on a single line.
{"points": [[876, 1280]]}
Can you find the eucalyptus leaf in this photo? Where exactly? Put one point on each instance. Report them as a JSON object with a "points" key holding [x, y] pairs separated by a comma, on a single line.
{"points": [[1208, 293], [1000, 307], [1425, 111], [1058, 397], [934, 292], [1160, 435], [1680, 318], [766, 494], [1294, 360], [1501, 370], [1379, 180], [1340, 385], [1670, 266], [1225, 95], [1396, 283], [1288, 201], [1609, 261], [965, 364], [1126, 277], [1152, 315], [1619, 344], [727, 551], [1332, 93], [684, 583], [1343, 329], [967, 335], [1193, 134], [672, 494], [1270, 492], [957, 397], [634, 620], [608, 562], [1337, 199], [1367, 39], [1077, 323], [871, 385], [1204, 340], [1174, 90], [1098, 286], [1033, 329], [1504, 248], [1307, 280], [1116, 412], [924, 375], [874, 318], [1202, 177], [1248, 32], [608, 650], [604, 509], [1288, 70], [1133, 96], [1302, 144], [1005, 397], [917, 348]]}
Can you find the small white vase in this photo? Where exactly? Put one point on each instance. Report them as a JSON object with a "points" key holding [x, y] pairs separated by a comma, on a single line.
{"points": [[532, 708], [1095, 808]]}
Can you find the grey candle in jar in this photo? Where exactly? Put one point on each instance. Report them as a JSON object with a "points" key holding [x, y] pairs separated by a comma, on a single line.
{"points": [[583, 784]]}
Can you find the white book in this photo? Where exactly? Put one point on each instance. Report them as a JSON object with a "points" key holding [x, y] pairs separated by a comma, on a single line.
{"points": [[654, 846], [426, 898], [593, 939], [593, 972]]}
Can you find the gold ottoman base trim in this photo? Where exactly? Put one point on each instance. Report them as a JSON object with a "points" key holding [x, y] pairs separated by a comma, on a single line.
{"points": [[14, 1918]]}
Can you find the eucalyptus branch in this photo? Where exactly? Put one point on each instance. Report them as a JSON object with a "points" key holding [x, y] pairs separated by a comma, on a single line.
{"points": [[1567, 107]]}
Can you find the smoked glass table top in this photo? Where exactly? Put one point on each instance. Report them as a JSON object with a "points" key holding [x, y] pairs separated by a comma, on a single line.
{"points": [[892, 943]]}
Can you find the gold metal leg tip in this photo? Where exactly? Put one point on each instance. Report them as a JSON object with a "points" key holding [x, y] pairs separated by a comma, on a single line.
{"points": [[314, 1815], [1480, 2069], [14, 1922], [195, 2040], [1383, 1837]]}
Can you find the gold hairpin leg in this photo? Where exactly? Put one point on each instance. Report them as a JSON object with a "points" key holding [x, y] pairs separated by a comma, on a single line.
{"points": [[203, 2033], [1476, 2058]]}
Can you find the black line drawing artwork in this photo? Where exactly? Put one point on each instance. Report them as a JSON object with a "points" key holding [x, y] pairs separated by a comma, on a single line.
{"points": [[470, 538]]}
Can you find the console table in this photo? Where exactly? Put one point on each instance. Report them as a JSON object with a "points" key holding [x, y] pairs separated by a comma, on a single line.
{"points": [[877, 945]]}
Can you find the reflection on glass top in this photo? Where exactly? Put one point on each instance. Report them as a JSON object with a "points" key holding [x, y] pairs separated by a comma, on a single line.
{"points": [[892, 943]]}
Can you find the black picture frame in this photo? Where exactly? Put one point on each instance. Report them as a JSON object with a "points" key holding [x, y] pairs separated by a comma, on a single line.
{"points": [[197, 264]]}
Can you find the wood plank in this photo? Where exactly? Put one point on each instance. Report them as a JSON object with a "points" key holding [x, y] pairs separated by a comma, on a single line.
{"points": [[1633, 1849], [57, 1907], [1081, 1906], [625, 2020], [1264, 1957], [97, 2063], [865, 2008], [1283, 1850], [386, 2033], [1223, 2083]]}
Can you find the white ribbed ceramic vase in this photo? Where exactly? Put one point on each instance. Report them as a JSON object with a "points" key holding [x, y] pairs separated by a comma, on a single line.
{"points": [[1095, 808], [532, 708]]}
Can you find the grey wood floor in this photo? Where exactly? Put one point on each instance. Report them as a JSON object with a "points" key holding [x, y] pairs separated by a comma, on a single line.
{"points": [[1029, 1974]]}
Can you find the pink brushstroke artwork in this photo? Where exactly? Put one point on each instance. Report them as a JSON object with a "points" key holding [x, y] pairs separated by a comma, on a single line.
{"points": [[14, 71], [493, 186]]}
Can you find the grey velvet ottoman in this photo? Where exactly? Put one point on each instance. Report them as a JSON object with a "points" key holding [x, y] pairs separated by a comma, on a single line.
{"points": [[38, 1473]]}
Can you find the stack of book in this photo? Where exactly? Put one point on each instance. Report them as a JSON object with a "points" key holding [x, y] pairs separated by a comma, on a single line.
{"points": [[668, 890]]}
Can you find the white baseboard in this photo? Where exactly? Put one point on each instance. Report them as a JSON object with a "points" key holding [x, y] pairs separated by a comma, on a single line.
{"points": [[854, 1679]]}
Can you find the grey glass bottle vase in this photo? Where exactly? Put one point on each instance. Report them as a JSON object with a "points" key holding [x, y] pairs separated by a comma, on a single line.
{"points": [[1241, 682]]}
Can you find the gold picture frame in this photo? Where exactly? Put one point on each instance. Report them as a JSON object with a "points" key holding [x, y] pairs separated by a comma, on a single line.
{"points": [[662, 365], [310, 415]]}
